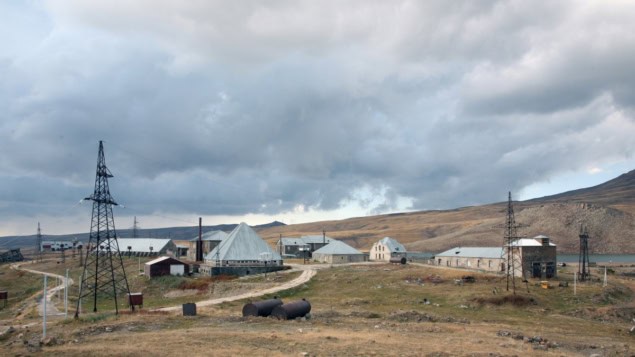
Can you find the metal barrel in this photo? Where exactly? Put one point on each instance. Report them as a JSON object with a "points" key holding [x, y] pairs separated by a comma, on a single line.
{"points": [[398, 260], [261, 308], [292, 310]]}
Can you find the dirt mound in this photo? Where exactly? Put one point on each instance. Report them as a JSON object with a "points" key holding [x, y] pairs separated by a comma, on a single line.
{"points": [[516, 300], [415, 316]]}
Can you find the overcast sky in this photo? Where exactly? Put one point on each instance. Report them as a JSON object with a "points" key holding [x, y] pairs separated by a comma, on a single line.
{"points": [[306, 110]]}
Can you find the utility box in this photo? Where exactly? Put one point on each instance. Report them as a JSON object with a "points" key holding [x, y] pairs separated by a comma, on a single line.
{"points": [[4, 295], [135, 299], [189, 309]]}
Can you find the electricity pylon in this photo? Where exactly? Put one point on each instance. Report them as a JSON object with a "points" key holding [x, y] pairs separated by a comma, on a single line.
{"points": [[104, 274], [511, 259]]}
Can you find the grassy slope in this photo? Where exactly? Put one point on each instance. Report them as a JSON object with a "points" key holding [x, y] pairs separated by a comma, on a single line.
{"points": [[433, 231], [367, 310]]}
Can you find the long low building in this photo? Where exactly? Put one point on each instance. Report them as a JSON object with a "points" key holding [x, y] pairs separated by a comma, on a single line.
{"points": [[537, 257], [146, 246]]}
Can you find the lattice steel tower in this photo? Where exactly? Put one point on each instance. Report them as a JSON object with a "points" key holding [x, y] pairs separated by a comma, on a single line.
{"points": [[583, 267], [104, 275], [512, 263]]}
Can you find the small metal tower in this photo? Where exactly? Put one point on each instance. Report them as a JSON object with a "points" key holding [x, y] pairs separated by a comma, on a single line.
{"points": [[512, 261], [135, 228], [104, 275], [38, 243], [584, 272]]}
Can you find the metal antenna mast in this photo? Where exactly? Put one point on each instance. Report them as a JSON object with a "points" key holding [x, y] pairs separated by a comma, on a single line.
{"points": [[38, 242], [510, 254], [583, 267], [135, 228], [104, 274]]}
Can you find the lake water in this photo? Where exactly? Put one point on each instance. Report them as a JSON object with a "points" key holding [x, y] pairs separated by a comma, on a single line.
{"points": [[598, 258]]}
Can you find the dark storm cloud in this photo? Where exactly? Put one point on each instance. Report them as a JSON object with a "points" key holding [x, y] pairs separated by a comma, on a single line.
{"points": [[228, 109]]}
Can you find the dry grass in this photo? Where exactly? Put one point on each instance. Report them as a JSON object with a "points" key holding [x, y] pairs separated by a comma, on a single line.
{"points": [[435, 231], [371, 310]]}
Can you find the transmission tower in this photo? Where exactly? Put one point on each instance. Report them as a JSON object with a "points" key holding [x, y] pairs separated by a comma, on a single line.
{"points": [[104, 274], [38, 242], [583, 262], [510, 254]]}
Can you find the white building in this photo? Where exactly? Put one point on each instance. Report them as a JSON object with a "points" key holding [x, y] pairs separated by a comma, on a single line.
{"points": [[387, 248]]}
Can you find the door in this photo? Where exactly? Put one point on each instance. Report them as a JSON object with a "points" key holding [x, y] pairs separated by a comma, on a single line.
{"points": [[177, 269]]}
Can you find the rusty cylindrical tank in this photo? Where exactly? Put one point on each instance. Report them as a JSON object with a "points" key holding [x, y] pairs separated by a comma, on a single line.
{"points": [[292, 310], [261, 308], [398, 260]]}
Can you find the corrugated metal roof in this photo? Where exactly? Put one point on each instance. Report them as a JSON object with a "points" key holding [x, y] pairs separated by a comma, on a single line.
{"points": [[473, 252], [243, 243], [337, 247], [142, 245], [392, 245], [316, 239], [160, 259], [292, 241], [211, 236], [530, 242]]}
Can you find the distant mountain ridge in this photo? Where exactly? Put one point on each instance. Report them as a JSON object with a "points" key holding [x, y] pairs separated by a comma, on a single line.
{"points": [[176, 233], [619, 191]]}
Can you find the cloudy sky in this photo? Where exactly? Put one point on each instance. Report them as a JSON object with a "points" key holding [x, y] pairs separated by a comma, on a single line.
{"points": [[306, 110]]}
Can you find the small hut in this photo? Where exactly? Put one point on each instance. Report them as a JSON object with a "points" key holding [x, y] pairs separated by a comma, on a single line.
{"points": [[165, 266]]}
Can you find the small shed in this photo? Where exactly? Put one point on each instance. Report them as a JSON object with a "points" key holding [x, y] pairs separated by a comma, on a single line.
{"points": [[165, 266]]}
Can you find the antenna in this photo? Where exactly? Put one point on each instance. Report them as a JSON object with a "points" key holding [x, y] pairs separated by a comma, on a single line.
{"points": [[135, 228], [104, 274], [583, 267]]}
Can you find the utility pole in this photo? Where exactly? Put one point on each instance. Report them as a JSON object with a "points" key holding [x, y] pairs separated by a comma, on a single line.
{"points": [[104, 273], [44, 313], [38, 243]]}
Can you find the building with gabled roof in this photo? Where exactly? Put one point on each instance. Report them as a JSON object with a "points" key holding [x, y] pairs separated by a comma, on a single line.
{"points": [[165, 266], [301, 247], [209, 239], [537, 256], [243, 252], [387, 248], [338, 252]]}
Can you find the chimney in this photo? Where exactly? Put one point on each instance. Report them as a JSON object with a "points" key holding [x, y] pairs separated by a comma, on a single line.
{"points": [[545, 241], [199, 242]]}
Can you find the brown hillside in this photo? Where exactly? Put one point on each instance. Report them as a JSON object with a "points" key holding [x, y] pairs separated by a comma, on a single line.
{"points": [[605, 209]]}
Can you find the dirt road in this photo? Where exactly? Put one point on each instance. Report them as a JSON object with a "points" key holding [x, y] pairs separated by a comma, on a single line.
{"points": [[51, 309], [308, 271]]}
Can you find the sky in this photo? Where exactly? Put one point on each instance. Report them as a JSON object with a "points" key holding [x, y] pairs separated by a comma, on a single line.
{"points": [[306, 110]]}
